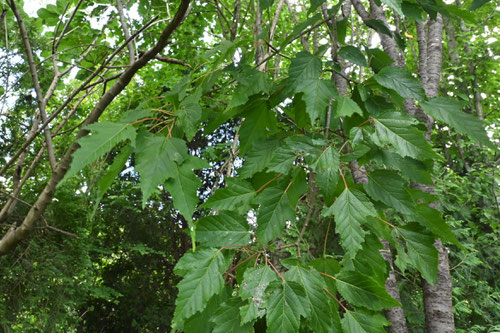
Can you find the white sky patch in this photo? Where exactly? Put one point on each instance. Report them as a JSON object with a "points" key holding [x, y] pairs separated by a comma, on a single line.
{"points": [[32, 6]]}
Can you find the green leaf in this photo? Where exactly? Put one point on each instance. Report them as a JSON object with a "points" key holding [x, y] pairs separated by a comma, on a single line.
{"points": [[421, 251], [378, 59], [351, 210], [286, 305], [478, 4], [104, 136], [361, 290], [396, 129], [328, 159], [327, 174], [258, 158], [274, 211], [227, 318], [353, 54], [432, 220], [259, 123], [401, 81], [236, 196], [346, 107], [250, 82], [183, 185], [189, 114], [114, 170], [369, 261], [265, 4], [388, 187], [222, 230], [394, 4], [357, 322], [286, 154], [412, 11], [304, 67], [157, 160], [317, 95], [449, 111], [409, 167], [200, 282], [321, 315], [253, 287]]}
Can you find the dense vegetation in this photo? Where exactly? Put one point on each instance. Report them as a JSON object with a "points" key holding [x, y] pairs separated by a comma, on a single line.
{"points": [[249, 165]]}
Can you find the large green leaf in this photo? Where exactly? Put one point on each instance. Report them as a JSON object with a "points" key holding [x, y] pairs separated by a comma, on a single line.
{"points": [[449, 111], [362, 290], [183, 185], [421, 251], [200, 282], [327, 174], [409, 167], [222, 230], [227, 318], [104, 136], [317, 95], [313, 284], [274, 211], [401, 81], [258, 157], [396, 129], [351, 209], [114, 170], [286, 305], [357, 322], [250, 82], [353, 54], [189, 114], [394, 4], [346, 107], [236, 196], [304, 67], [259, 123], [157, 158], [388, 187]]}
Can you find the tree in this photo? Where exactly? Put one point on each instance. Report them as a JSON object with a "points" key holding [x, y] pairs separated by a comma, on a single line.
{"points": [[297, 154]]}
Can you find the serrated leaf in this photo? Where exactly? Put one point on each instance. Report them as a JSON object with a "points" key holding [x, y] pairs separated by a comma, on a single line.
{"points": [[395, 129], [346, 107], [421, 251], [222, 230], [388, 187], [200, 283], [401, 81], [236, 196], [227, 318], [253, 287], [250, 82], [409, 167], [351, 210], [157, 160], [286, 305], [104, 136], [449, 111], [378, 59], [368, 260], [189, 115], [353, 54], [357, 322], [286, 154], [303, 67], [321, 316], [114, 170], [183, 185], [297, 187], [432, 220], [259, 123], [258, 157], [317, 95], [362, 290], [274, 211]]}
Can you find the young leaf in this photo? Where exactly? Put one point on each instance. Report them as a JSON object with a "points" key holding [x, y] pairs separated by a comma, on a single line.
{"points": [[421, 251], [286, 304], [236, 196], [395, 129], [351, 210], [304, 66], [222, 230], [357, 322], [388, 187], [104, 136], [449, 111], [183, 185], [200, 282], [274, 211], [362, 290], [401, 81], [157, 160], [321, 316]]}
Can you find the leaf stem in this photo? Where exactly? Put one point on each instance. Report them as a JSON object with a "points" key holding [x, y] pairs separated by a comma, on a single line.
{"points": [[389, 224], [343, 178], [269, 182], [326, 237], [366, 121], [335, 298], [274, 268]]}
